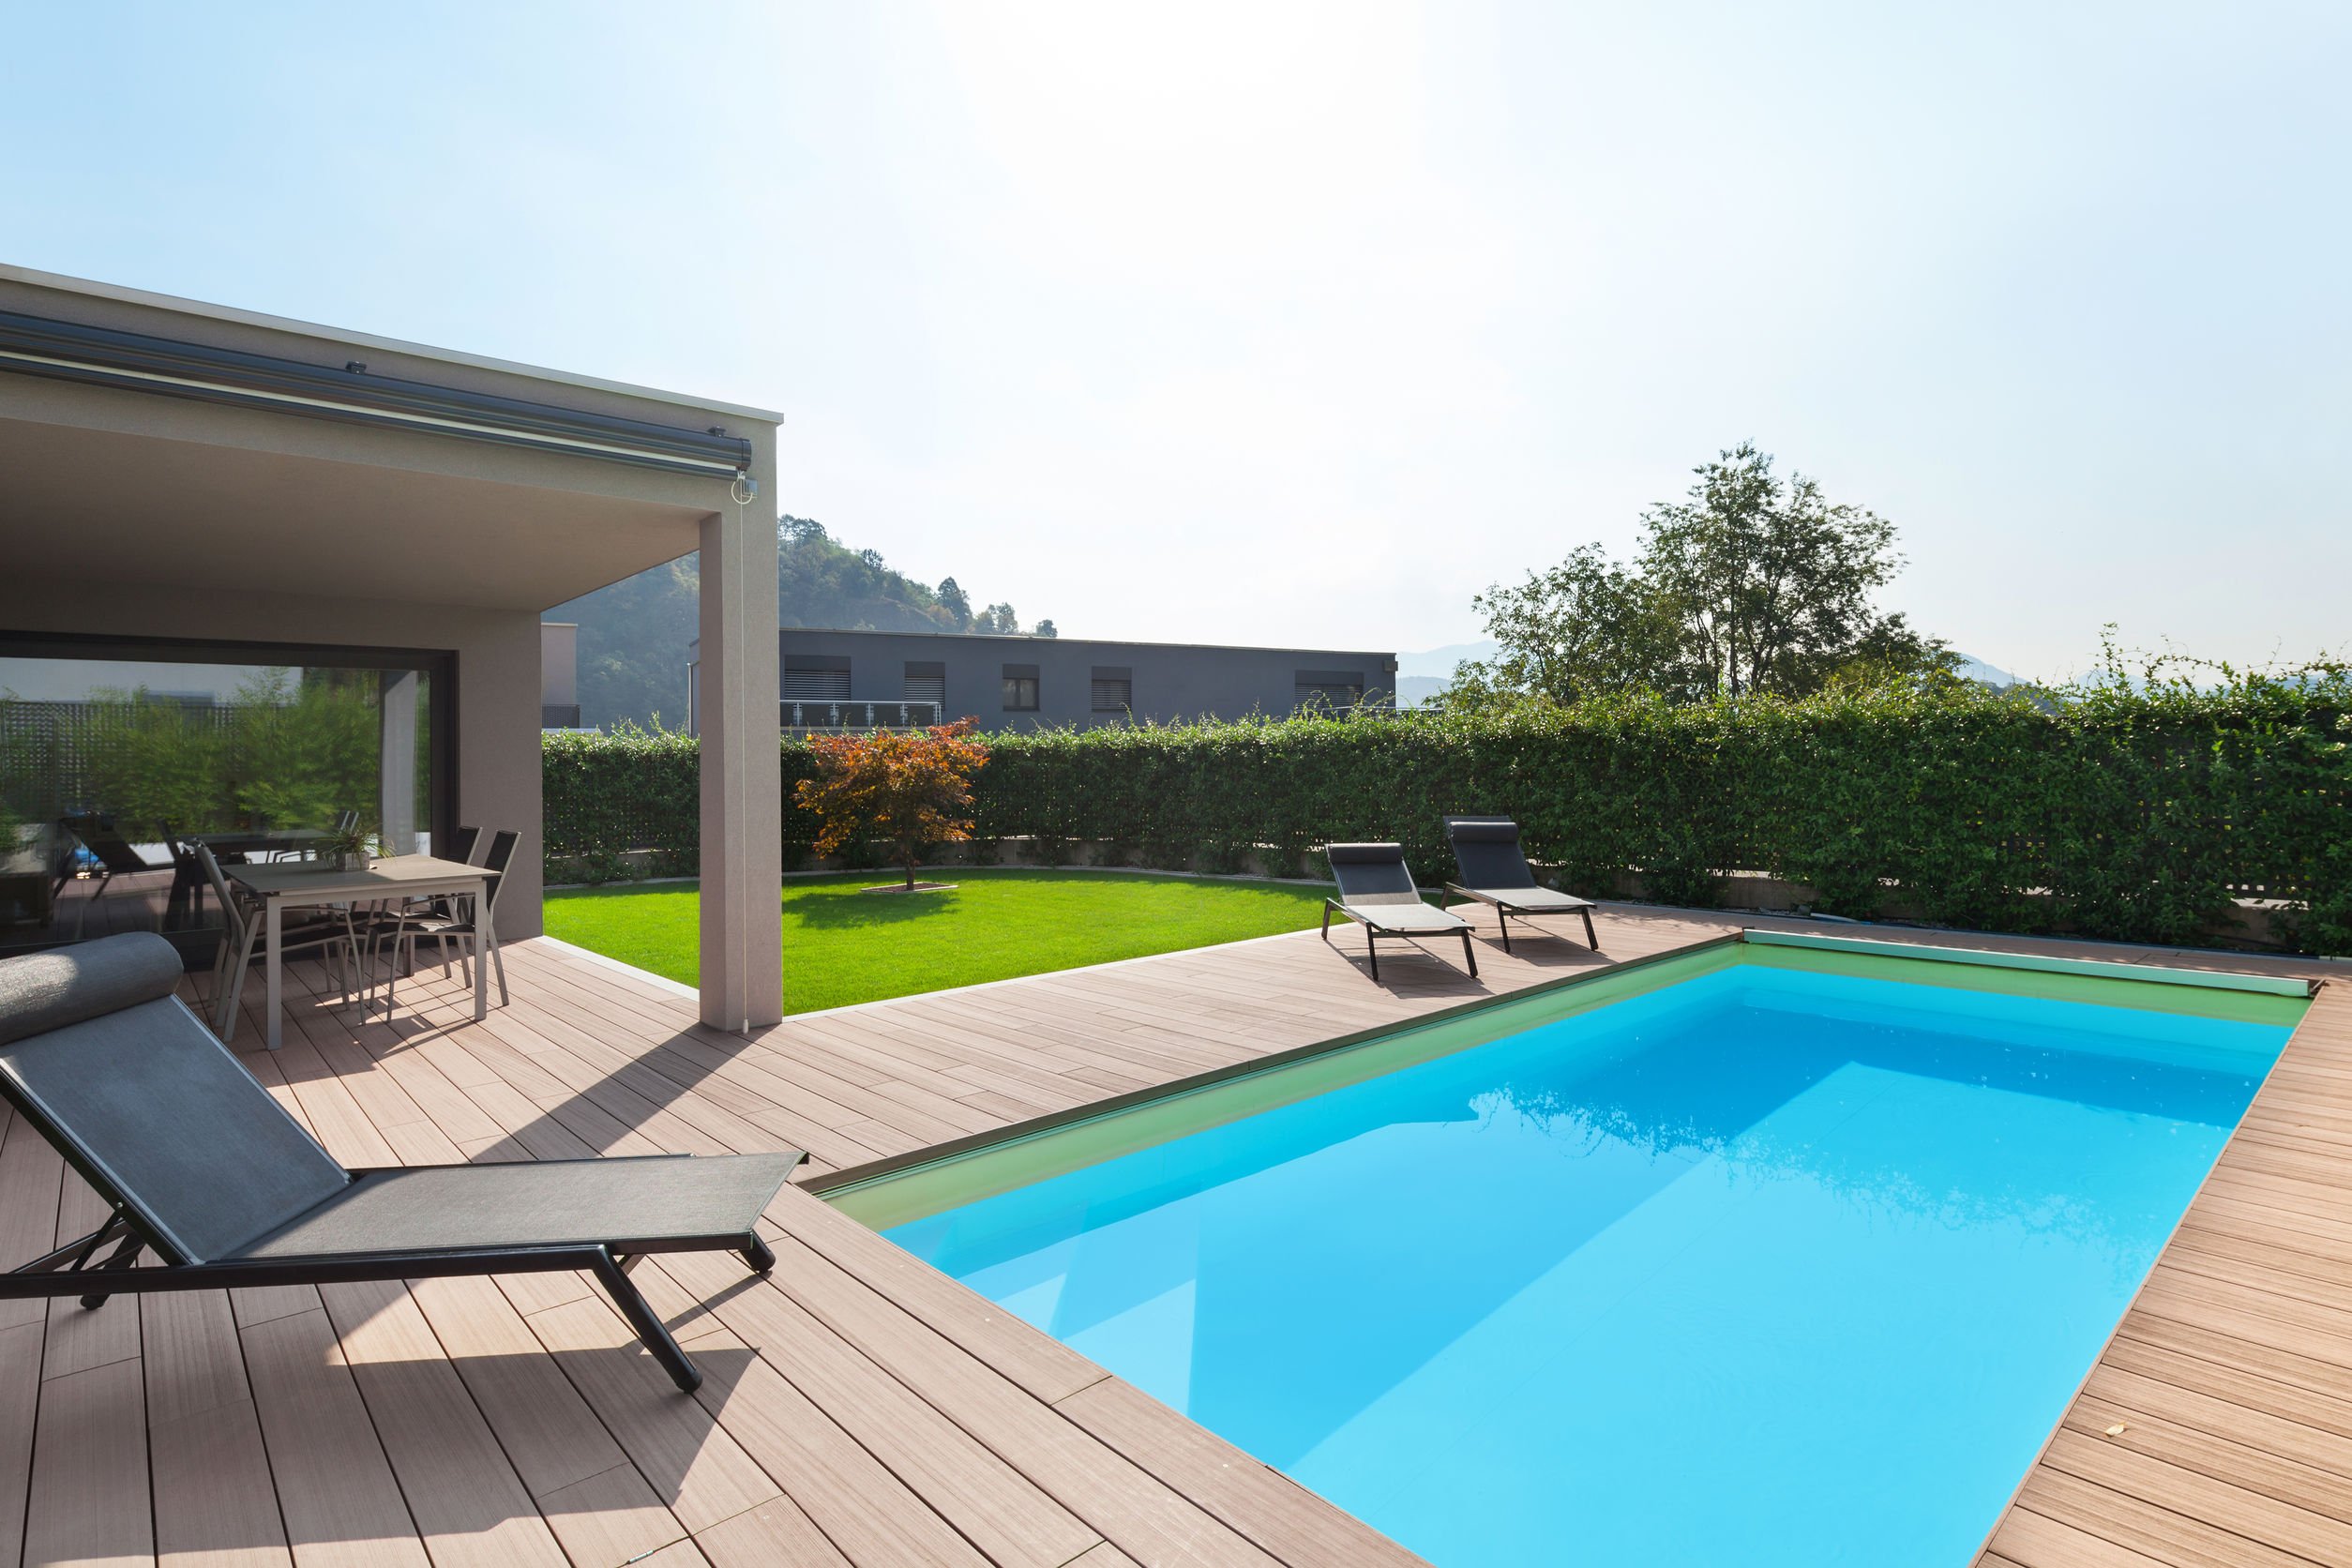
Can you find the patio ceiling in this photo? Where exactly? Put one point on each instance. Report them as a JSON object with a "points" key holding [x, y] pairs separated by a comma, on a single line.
{"points": [[151, 441], [88, 504]]}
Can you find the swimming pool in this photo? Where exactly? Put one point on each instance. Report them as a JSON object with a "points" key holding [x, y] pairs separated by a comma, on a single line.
{"points": [[1767, 1254]]}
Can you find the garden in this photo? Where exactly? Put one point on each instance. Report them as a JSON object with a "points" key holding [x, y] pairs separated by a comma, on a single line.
{"points": [[843, 944], [2156, 811]]}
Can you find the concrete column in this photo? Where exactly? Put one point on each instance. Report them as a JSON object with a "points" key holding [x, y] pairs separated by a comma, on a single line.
{"points": [[742, 975]]}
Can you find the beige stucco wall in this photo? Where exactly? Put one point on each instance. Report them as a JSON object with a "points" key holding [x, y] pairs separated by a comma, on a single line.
{"points": [[498, 681]]}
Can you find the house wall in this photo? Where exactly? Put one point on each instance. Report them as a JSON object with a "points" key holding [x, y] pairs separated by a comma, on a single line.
{"points": [[1170, 681], [498, 680]]}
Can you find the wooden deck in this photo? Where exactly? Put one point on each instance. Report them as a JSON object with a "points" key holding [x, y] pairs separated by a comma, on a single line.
{"points": [[860, 1408]]}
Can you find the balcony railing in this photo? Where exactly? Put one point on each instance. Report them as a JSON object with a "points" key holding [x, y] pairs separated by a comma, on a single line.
{"points": [[858, 714]]}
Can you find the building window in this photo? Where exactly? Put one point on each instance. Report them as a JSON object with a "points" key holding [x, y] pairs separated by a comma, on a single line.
{"points": [[1020, 694], [927, 682], [815, 678], [1113, 689], [1339, 689]]}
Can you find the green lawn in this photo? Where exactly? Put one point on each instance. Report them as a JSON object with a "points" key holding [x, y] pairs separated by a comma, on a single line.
{"points": [[843, 946]]}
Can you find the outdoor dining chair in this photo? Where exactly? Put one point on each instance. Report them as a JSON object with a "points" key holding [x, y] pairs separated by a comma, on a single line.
{"points": [[245, 937], [456, 919]]}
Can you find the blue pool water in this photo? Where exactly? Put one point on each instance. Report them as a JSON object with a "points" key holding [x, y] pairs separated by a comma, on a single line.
{"points": [[1762, 1267]]}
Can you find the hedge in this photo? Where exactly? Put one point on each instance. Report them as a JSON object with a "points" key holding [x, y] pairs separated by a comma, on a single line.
{"points": [[2138, 815]]}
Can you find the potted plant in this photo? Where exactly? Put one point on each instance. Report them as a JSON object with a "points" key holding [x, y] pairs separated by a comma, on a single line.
{"points": [[349, 850]]}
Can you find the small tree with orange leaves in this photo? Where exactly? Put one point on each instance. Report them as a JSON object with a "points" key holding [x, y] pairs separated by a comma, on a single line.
{"points": [[911, 787]]}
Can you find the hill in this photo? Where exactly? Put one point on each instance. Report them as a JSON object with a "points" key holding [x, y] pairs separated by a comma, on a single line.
{"points": [[633, 634]]}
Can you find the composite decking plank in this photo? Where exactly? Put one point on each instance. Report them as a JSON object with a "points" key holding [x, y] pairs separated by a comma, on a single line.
{"points": [[1254, 1499], [2129, 1520], [992, 1503], [81, 1337], [336, 1489], [1125, 1503], [1048, 1368], [2029, 1540], [697, 1468], [869, 1515], [215, 1496], [90, 1498], [773, 1534], [464, 1496], [20, 1396], [590, 1492]]}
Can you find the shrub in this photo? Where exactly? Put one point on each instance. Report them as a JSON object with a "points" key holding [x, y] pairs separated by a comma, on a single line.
{"points": [[911, 787], [2132, 812]]}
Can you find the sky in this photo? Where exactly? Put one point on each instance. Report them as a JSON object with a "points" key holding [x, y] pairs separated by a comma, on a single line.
{"points": [[1303, 324]]}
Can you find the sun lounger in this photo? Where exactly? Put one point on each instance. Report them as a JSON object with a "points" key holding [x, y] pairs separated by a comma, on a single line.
{"points": [[1495, 871], [209, 1174], [1377, 892]]}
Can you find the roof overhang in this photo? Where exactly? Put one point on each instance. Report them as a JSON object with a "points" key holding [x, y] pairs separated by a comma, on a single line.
{"points": [[144, 443], [102, 357]]}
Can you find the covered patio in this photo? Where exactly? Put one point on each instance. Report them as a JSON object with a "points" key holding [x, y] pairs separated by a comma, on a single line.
{"points": [[200, 499]]}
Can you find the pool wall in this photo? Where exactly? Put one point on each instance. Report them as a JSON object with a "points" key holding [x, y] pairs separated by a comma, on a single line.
{"points": [[891, 1192]]}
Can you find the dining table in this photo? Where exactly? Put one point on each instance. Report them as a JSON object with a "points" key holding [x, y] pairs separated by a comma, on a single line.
{"points": [[279, 884]]}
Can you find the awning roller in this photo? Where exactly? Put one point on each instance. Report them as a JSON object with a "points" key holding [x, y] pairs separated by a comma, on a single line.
{"points": [[102, 357]]}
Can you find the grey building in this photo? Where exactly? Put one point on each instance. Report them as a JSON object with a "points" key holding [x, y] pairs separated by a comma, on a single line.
{"points": [[858, 679]]}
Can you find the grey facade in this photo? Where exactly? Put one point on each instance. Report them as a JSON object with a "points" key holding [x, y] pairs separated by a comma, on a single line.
{"points": [[1042, 682]]}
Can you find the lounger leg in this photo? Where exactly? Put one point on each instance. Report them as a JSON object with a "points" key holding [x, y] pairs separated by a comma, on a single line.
{"points": [[1502, 923], [650, 1329], [121, 1258], [1372, 948], [758, 1255], [1590, 941], [1469, 953], [1327, 922]]}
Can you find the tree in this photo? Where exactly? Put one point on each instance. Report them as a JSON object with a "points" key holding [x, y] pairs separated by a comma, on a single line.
{"points": [[1587, 627], [1751, 584], [1047, 628], [1001, 618], [1771, 584], [911, 787], [957, 603]]}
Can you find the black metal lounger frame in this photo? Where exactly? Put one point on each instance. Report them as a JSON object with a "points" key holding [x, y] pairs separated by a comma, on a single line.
{"points": [[74, 1023], [1373, 930], [1504, 910], [69, 1271]]}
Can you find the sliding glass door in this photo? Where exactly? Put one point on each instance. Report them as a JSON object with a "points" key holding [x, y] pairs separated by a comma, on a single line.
{"points": [[117, 756]]}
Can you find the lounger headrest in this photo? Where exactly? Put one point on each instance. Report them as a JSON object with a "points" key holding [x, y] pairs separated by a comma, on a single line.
{"points": [[42, 991], [1482, 830], [1364, 855]]}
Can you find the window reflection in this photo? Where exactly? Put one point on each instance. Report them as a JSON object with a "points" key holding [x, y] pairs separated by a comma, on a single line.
{"points": [[111, 768]]}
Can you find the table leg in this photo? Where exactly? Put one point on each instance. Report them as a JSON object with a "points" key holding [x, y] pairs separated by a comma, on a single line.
{"points": [[270, 929], [481, 965]]}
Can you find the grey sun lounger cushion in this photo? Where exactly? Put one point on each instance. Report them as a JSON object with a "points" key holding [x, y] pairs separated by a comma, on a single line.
{"points": [[1377, 892], [635, 1205], [203, 1167]]}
